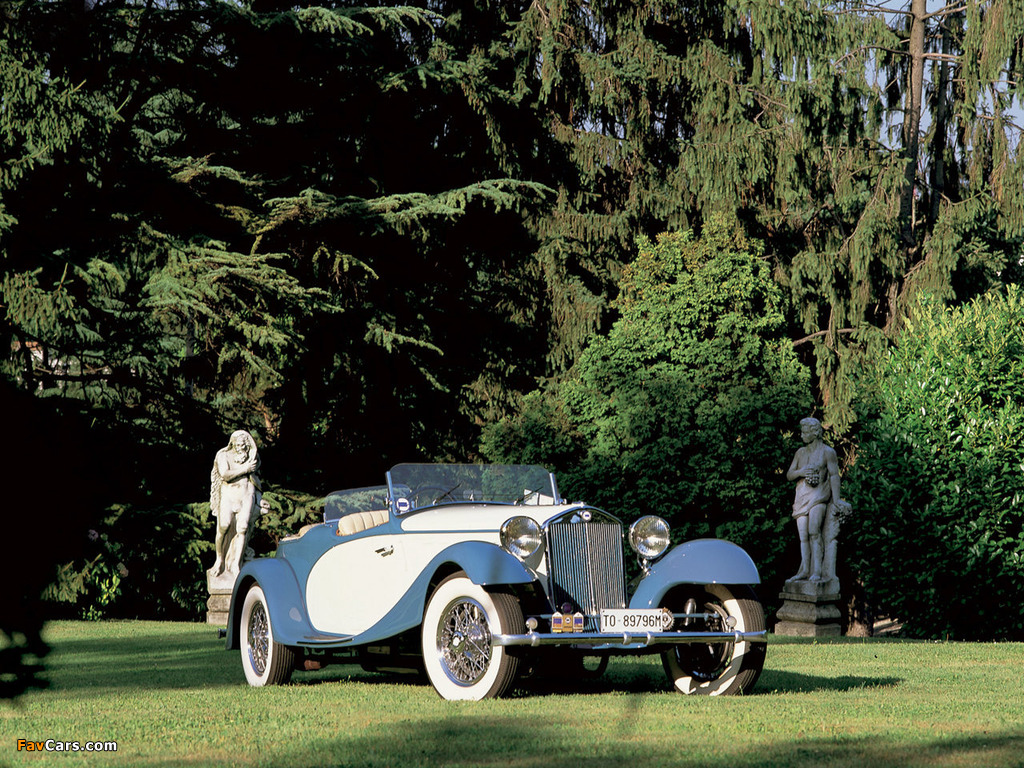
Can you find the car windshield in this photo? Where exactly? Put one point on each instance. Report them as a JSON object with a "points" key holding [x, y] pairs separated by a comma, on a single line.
{"points": [[341, 503], [423, 485]]}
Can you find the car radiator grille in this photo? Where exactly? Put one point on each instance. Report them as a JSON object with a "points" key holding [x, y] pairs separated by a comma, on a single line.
{"points": [[585, 566]]}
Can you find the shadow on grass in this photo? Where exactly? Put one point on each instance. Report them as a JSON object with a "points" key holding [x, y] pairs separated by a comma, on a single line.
{"points": [[471, 739], [197, 659], [149, 660], [630, 678], [794, 682], [651, 679]]}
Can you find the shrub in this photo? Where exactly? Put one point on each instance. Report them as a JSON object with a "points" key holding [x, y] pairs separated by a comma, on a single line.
{"points": [[688, 407], [938, 481], [151, 563]]}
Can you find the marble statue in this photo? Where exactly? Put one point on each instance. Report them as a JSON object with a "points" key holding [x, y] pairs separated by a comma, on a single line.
{"points": [[236, 501], [818, 507]]}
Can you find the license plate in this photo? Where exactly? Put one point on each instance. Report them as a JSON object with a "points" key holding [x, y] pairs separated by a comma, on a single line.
{"points": [[636, 620]]}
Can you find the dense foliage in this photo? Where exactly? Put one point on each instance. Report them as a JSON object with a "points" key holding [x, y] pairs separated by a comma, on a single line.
{"points": [[875, 150], [684, 408], [938, 483], [212, 210], [362, 230], [152, 561], [256, 214]]}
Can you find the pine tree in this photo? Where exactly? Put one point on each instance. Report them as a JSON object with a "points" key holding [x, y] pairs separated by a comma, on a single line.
{"points": [[871, 148], [251, 217], [802, 137]]}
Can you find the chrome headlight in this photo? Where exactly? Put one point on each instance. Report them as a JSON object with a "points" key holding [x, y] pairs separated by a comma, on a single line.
{"points": [[648, 536], [521, 536]]}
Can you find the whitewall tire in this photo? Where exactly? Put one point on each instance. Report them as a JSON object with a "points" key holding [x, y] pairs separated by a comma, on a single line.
{"points": [[265, 661], [717, 669], [459, 621]]}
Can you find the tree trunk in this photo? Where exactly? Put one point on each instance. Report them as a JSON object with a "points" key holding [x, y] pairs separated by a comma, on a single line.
{"points": [[913, 105]]}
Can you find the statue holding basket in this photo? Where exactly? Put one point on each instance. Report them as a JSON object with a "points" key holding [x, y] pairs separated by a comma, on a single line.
{"points": [[818, 507]]}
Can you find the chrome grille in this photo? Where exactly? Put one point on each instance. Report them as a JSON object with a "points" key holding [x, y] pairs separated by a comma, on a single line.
{"points": [[585, 565]]}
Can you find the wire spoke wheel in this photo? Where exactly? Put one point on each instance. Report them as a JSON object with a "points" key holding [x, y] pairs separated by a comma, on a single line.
{"points": [[258, 632], [707, 662], [715, 669], [459, 623], [464, 641], [264, 660]]}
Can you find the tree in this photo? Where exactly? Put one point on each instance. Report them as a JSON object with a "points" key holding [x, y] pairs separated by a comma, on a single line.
{"points": [[248, 216], [683, 407], [873, 150], [874, 161], [218, 215]]}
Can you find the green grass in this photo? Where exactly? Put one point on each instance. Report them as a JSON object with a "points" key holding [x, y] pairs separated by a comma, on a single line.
{"points": [[169, 695]]}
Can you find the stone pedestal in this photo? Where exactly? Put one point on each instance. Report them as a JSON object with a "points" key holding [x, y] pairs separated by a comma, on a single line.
{"points": [[810, 609], [219, 602]]}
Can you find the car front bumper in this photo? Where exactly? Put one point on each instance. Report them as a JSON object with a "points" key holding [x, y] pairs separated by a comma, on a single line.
{"points": [[633, 639]]}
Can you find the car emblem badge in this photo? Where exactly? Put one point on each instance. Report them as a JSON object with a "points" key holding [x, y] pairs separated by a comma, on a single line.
{"points": [[557, 622]]}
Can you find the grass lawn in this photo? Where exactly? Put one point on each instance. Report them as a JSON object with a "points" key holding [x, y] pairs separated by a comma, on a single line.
{"points": [[169, 695]]}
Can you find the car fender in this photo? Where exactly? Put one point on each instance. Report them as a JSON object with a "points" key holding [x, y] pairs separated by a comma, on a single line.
{"points": [[284, 601], [701, 561], [484, 563]]}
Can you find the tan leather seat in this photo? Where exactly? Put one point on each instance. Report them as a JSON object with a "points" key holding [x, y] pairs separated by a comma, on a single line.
{"points": [[302, 532], [361, 521]]}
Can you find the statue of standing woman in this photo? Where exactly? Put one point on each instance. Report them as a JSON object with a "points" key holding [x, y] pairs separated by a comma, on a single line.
{"points": [[235, 496], [818, 507]]}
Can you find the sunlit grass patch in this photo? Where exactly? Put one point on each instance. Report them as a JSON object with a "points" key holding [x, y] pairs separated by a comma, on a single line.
{"points": [[169, 694]]}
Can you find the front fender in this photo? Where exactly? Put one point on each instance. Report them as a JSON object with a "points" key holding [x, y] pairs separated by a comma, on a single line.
{"points": [[284, 601], [701, 561], [484, 563]]}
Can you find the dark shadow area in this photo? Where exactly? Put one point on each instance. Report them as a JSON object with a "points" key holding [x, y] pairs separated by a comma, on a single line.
{"points": [[174, 660], [157, 660], [470, 738], [353, 674], [794, 682], [650, 679], [633, 678]]}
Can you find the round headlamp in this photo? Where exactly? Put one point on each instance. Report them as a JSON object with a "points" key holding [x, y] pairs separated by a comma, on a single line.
{"points": [[648, 536], [521, 536]]}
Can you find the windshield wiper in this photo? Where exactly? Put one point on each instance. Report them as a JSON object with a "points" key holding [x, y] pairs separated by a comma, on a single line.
{"points": [[448, 493]]}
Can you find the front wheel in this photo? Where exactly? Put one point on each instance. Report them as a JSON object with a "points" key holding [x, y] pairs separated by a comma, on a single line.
{"points": [[716, 669], [265, 661], [458, 624]]}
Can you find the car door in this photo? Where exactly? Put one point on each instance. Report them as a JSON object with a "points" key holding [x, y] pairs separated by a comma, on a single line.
{"points": [[354, 585]]}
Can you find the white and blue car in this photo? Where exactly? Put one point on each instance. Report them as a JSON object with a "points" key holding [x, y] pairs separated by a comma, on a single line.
{"points": [[474, 574]]}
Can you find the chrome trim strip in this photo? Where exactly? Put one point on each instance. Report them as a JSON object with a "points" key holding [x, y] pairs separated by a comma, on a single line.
{"points": [[627, 638]]}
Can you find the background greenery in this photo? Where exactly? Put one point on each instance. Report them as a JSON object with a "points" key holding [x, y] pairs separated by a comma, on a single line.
{"points": [[939, 477], [170, 695], [682, 406], [372, 233]]}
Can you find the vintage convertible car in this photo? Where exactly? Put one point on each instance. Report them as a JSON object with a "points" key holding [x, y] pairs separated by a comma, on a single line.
{"points": [[476, 573]]}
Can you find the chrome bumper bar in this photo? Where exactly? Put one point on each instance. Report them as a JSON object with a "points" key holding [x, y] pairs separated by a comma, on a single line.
{"points": [[534, 639]]}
